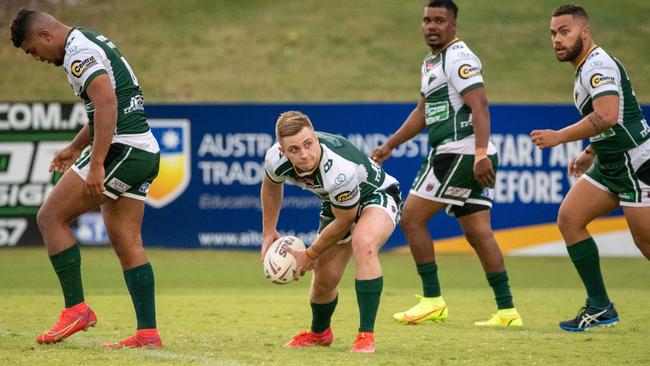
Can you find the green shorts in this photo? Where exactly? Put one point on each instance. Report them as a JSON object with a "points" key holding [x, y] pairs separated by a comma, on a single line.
{"points": [[628, 177], [128, 171], [449, 178], [390, 200]]}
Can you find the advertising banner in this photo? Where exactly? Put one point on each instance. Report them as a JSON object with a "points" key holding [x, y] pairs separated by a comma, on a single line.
{"points": [[207, 192]]}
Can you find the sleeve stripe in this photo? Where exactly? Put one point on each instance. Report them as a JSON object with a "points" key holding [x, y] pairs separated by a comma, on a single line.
{"points": [[271, 179], [470, 88], [92, 77], [606, 92]]}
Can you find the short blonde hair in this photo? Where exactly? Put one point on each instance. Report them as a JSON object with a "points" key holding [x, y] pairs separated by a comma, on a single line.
{"points": [[290, 123]]}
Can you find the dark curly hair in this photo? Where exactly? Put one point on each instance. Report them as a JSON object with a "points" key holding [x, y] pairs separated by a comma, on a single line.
{"points": [[570, 9], [447, 4], [21, 24]]}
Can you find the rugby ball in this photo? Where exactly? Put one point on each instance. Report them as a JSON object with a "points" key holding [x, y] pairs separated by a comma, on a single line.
{"points": [[279, 264]]}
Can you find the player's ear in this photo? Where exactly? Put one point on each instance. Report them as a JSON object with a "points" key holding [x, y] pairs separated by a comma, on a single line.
{"points": [[586, 32], [45, 35]]}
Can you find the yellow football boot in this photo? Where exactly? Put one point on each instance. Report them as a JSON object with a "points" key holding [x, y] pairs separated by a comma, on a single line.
{"points": [[429, 308], [503, 318]]}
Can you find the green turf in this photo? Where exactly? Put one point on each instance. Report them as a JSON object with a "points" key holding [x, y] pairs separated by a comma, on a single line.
{"points": [[334, 50], [215, 307]]}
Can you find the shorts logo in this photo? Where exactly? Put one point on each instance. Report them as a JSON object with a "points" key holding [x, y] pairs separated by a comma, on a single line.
{"points": [[629, 196], [346, 196], [466, 71], [144, 188], [458, 192], [429, 187], [174, 174], [118, 185], [488, 193], [78, 67], [600, 80]]}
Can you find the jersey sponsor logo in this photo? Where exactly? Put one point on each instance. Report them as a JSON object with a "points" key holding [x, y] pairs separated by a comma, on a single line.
{"points": [[434, 112], [174, 173], [328, 165], [78, 67], [466, 71], [347, 195], [340, 179], [609, 133], [135, 104], [118, 185], [600, 80]]}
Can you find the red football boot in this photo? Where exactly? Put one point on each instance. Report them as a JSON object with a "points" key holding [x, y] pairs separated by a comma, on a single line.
{"points": [[142, 338], [71, 320], [309, 338], [365, 343]]}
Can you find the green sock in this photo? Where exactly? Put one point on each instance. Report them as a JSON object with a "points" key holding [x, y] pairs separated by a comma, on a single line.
{"points": [[368, 296], [67, 265], [429, 274], [321, 315], [499, 283], [584, 255], [140, 282]]}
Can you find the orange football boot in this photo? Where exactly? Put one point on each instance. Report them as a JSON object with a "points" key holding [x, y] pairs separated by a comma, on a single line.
{"points": [[141, 338], [365, 343], [309, 338], [71, 320]]}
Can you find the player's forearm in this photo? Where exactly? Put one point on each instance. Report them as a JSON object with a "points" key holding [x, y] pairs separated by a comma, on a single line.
{"points": [[409, 129], [481, 127], [104, 127], [591, 125], [331, 234], [82, 139], [271, 199]]}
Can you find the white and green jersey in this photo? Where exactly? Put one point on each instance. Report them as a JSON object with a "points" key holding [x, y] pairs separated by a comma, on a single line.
{"points": [[344, 177], [446, 77], [600, 74], [88, 55]]}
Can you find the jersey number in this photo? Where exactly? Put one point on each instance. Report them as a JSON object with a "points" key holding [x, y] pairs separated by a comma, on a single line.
{"points": [[126, 64]]}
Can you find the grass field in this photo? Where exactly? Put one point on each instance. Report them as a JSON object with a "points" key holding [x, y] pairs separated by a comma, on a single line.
{"points": [[215, 308], [321, 51]]}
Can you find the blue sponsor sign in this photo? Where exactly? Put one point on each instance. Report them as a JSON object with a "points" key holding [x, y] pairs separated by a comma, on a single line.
{"points": [[212, 167]]}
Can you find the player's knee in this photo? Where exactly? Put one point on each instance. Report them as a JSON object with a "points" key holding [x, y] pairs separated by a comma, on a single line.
{"points": [[325, 285], [409, 224], [364, 248], [566, 222], [45, 219], [477, 238]]}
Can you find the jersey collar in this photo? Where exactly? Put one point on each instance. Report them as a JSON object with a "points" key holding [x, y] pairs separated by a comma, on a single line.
{"points": [[445, 46], [585, 57]]}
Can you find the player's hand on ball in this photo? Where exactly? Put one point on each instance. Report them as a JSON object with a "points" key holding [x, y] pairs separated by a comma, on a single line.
{"points": [[268, 240], [304, 264]]}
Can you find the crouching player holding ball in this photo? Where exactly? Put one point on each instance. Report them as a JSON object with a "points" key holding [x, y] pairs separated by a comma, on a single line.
{"points": [[356, 193]]}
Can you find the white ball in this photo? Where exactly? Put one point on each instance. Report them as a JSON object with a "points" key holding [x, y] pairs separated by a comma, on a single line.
{"points": [[279, 264]]}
